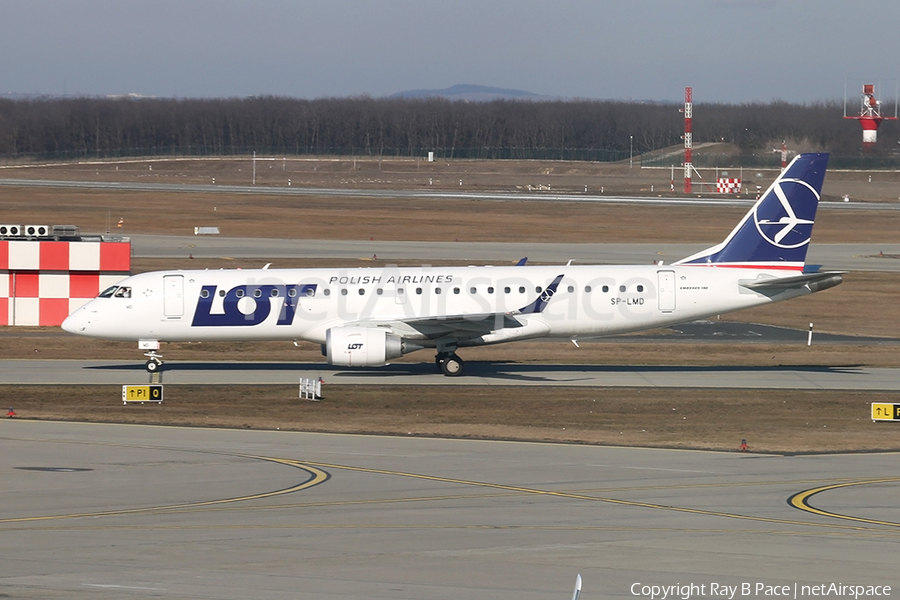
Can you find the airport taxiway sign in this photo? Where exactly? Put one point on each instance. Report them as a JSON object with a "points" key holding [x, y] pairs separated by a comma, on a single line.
{"points": [[882, 411], [142, 393]]}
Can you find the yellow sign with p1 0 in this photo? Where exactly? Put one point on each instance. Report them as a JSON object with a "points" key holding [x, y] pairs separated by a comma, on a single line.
{"points": [[142, 393]]}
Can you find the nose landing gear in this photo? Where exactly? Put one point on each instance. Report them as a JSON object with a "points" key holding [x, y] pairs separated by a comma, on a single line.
{"points": [[154, 362]]}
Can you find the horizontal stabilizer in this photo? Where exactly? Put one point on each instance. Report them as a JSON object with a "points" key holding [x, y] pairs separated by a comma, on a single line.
{"points": [[814, 281]]}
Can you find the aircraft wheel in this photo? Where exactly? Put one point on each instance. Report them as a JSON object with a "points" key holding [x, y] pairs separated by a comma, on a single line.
{"points": [[152, 366], [452, 366]]}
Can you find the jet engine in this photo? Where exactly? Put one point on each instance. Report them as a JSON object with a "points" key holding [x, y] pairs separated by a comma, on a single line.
{"points": [[361, 346]]}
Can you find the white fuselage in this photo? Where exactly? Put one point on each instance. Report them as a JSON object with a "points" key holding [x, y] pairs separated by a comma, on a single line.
{"points": [[302, 304]]}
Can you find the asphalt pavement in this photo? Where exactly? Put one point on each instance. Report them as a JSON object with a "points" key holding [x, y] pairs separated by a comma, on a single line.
{"points": [[92, 511]]}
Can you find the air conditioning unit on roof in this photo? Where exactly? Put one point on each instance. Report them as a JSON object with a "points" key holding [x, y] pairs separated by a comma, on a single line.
{"points": [[37, 230]]}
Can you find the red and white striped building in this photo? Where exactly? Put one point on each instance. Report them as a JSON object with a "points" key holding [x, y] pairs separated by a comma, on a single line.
{"points": [[43, 281]]}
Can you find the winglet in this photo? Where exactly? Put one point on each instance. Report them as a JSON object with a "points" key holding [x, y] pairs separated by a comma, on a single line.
{"points": [[577, 592], [538, 305]]}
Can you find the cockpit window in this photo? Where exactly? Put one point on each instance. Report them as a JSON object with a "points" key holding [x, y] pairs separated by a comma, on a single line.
{"points": [[123, 292], [108, 292]]}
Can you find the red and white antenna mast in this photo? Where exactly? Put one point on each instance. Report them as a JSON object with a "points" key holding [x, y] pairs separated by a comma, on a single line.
{"points": [[688, 138], [870, 116]]}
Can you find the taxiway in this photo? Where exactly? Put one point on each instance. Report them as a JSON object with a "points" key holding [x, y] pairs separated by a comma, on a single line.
{"points": [[103, 372], [94, 511]]}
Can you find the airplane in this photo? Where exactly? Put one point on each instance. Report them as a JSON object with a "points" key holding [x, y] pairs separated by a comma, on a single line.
{"points": [[366, 317]]}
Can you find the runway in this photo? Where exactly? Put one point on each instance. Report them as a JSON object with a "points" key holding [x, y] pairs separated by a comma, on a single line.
{"points": [[424, 193], [94, 511], [852, 257]]}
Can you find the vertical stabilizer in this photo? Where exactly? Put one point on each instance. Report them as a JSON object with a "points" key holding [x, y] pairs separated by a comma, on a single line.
{"points": [[775, 233]]}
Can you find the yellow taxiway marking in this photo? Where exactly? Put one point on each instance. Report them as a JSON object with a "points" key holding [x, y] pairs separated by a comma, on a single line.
{"points": [[317, 476], [801, 501], [578, 496]]}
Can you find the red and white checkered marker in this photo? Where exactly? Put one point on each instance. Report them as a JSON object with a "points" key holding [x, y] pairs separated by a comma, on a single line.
{"points": [[42, 282], [725, 185]]}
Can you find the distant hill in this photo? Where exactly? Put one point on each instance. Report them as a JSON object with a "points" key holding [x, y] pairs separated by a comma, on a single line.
{"points": [[473, 93]]}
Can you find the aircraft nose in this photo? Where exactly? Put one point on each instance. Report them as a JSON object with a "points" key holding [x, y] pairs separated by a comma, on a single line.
{"points": [[76, 322]]}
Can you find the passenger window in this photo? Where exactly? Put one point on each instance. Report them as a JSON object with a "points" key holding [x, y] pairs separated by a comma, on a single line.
{"points": [[472, 290], [362, 292], [327, 292], [419, 291], [221, 293], [257, 293], [537, 290], [506, 290], [640, 288], [379, 291], [521, 289], [587, 289], [437, 290], [344, 292], [571, 289], [490, 289], [274, 292], [455, 290], [605, 289], [239, 293], [621, 288], [293, 293], [204, 293]]}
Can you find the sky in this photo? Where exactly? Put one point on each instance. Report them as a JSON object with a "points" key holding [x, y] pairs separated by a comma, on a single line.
{"points": [[731, 51]]}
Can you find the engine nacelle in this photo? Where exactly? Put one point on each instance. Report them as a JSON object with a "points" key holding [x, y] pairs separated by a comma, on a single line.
{"points": [[361, 346]]}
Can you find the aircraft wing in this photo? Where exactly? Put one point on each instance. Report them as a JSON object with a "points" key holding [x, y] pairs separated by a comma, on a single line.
{"points": [[460, 326], [814, 281], [467, 325]]}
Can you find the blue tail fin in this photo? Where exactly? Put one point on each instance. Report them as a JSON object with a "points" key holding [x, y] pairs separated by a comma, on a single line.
{"points": [[775, 233]]}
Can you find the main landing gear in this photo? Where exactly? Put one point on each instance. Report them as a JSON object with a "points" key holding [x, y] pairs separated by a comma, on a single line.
{"points": [[154, 362], [449, 364]]}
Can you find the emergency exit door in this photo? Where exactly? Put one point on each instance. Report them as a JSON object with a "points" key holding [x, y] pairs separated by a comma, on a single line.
{"points": [[666, 286], [173, 304]]}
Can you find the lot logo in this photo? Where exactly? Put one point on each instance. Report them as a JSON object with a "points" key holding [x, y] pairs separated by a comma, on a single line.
{"points": [[787, 223], [261, 297]]}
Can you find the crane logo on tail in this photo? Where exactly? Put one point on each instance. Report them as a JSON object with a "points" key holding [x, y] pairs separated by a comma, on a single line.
{"points": [[778, 223]]}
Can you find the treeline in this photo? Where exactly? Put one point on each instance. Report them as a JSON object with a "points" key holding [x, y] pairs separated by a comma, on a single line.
{"points": [[591, 130]]}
